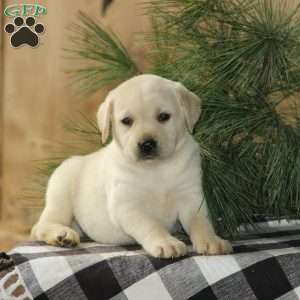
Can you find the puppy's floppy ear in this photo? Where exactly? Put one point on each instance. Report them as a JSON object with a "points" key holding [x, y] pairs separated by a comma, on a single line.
{"points": [[190, 104], [104, 116]]}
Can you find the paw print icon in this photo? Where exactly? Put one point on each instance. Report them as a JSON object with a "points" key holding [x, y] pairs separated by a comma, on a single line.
{"points": [[24, 32]]}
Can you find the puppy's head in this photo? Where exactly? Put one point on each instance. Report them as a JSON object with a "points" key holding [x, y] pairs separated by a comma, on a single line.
{"points": [[148, 116]]}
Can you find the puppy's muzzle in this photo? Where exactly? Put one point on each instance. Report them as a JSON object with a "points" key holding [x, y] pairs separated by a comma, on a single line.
{"points": [[148, 149]]}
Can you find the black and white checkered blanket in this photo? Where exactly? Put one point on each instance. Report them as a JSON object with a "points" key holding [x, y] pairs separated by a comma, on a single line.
{"points": [[264, 266]]}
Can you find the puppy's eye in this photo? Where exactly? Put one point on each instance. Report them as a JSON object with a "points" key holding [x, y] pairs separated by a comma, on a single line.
{"points": [[127, 121], [163, 117]]}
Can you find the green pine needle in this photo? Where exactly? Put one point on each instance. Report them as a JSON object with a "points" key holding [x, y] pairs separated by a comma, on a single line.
{"points": [[104, 58]]}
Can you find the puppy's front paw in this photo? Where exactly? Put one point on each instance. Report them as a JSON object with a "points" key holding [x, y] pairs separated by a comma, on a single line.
{"points": [[62, 236], [166, 248], [212, 246], [67, 238]]}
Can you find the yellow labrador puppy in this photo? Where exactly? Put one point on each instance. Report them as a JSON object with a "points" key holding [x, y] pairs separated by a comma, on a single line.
{"points": [[135, 188]]}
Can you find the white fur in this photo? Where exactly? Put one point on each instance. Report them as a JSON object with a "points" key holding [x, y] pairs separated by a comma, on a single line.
{"points": [[118, 198]]}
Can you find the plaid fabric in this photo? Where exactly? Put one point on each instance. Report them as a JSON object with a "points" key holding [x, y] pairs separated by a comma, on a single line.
{"points": [[264, 266]]}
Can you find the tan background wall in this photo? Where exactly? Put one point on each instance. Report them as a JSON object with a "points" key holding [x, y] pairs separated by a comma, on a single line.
{"points": [[37, 96]]}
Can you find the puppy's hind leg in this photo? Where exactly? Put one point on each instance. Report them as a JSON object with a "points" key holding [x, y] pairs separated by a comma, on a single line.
{"points": [[53, 225]]}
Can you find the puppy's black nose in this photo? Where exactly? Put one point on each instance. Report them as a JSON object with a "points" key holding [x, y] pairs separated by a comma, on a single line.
{"points": [[148, 147]]}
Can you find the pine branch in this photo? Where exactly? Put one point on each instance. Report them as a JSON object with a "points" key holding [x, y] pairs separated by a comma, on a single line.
{"points": [[249, 44], [105, 59]]}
